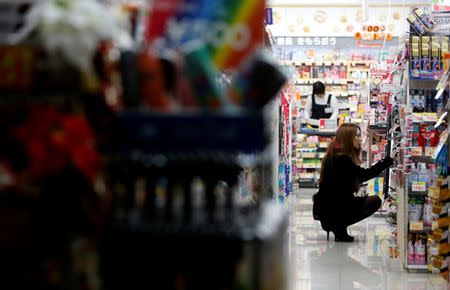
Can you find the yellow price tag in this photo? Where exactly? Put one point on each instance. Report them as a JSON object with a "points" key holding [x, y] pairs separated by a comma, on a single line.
{"points": [[416, 226], [434, 225], [429, 151], [416, 151], [429, 117], [433, 192], [419, 186]]}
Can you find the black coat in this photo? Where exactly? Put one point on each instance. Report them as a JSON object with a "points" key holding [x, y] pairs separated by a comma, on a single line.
{"points": [[341, 180]]}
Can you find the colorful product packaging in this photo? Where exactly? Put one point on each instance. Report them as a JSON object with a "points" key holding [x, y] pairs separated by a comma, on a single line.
{"points": [[435, 54], [427, 212], [420, 246], [230, 28], [410, 250], [201, 74], [444, 49], [424, 17], [16, 67], [416, 24], [415, 56], [425, 55], [151, 83], [257, 82]]}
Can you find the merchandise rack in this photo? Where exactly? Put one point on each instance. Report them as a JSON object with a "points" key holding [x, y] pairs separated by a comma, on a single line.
{"points": [[406, 227], [204, 145], [344, 85], [145, 238], [311, 151], [188, 133]]}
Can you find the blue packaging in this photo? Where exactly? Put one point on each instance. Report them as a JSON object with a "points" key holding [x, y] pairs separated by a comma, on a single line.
{"points": [[416, 24], [424, 18]]}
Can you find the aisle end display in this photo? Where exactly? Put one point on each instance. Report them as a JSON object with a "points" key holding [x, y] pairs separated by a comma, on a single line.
{"points": [[123, 150]]}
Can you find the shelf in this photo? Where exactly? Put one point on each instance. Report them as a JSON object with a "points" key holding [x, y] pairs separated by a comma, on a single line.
{"points": [[328, 81], [315, 167], [417, 267], [308, 184], [189, 134], [376, 127], [340, 95], [306, 178], [307, 157], [309, 62], [363, 62], [315, 132], [417, 193], [426, 229]]}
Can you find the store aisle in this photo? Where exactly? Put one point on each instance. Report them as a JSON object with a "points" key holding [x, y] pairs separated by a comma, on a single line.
{"points": [[363, 264]]}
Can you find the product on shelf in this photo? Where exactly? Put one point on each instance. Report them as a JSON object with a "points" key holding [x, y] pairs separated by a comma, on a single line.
{"points": [[427, 56], [311, 150]]}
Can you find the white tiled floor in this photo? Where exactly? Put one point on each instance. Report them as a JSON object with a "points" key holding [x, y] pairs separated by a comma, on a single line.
{"points": [[363, 264]]}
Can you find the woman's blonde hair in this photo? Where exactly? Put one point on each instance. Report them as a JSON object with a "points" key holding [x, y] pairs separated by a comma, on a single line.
{"points": [[343, 144]]}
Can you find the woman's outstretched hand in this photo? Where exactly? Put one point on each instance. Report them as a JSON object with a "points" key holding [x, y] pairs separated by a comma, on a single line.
{"points": [[394, 153]]}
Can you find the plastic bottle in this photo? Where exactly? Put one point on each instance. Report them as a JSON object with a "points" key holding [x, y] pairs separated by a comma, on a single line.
{"points": [[420, 246], [429, 102], [427, 212], [424, 175], [413, 177], [439, 104], [410, 252], [433, 175], [421, 100]]}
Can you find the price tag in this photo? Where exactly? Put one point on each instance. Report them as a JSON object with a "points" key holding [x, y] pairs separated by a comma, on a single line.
{"points": [[309, 155], [374, 148], [429, 117], [433, 192], [416, 226], [419, 186], [416, 117], [429, 151], [434, 225], [416, 151]]}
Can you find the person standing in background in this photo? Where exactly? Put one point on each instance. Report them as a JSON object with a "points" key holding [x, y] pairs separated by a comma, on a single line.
{"points": [[320, 106]]}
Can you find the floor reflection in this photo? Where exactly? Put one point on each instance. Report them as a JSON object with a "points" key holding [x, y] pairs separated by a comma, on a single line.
{"points": [[363, 264]]}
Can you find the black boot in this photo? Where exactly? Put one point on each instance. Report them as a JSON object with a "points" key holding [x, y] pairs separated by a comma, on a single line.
{"points": [[327, 227], [341, 235]]}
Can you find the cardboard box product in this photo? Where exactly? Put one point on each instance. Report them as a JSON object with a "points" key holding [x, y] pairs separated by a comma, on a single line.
{"points": [[425, 54]]}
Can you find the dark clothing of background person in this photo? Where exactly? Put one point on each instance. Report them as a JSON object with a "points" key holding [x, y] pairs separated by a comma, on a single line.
{"points": [[320, 111]]}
